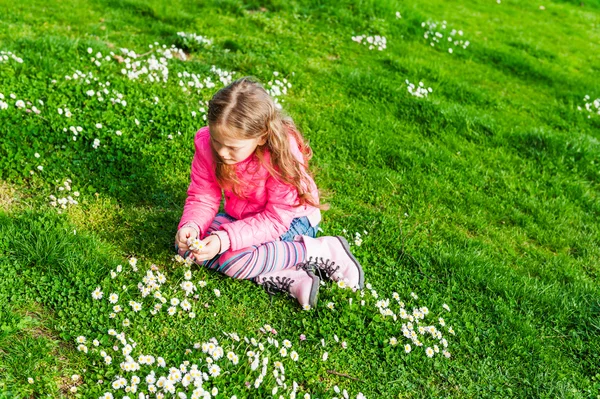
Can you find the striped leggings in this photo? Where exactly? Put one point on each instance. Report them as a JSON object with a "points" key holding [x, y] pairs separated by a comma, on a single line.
{"points": [[250, 262]]}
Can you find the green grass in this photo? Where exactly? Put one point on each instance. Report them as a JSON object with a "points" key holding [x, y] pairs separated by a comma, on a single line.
{"points": [[484, 195]]}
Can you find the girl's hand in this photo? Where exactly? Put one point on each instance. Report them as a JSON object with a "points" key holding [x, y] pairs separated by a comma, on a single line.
{"points": [[182, 237], [212, 246]]}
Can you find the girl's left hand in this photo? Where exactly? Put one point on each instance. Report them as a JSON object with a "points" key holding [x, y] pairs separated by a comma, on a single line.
{"points": [[212, 246]]}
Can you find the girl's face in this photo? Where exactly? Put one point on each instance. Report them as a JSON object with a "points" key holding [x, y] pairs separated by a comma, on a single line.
{"points": [[232, 150]]}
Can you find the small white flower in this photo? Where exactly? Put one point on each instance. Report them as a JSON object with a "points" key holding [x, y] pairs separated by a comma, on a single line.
{"points": [[429, 352], [214, 371], [325, 356], [97, 294], [113, 298], [30, 380], [186, 305], [98, 125]]}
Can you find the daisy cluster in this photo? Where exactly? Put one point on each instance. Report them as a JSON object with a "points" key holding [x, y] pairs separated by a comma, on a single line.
{"points": [[192, 37], [61, 201], [357, 239], [150, 286], [195, 244], [374, 42], [75, 130], [20, 104], [418, 91], [442, 37], [276, 88], [155, 69], [82, 77], [5, 56], [261, 358], [98, 57], [191, 81], [592, 107], [414, 326], [92, 87], [66, 112]]}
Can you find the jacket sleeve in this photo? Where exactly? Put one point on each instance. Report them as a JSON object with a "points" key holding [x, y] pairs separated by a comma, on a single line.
{"points": [[203, 195], [267, 225]]}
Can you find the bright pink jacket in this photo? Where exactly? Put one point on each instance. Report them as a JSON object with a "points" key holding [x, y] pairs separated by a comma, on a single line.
{"points": [[263, 215]]}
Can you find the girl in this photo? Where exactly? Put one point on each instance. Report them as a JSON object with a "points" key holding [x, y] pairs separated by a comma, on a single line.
{"points": [[258, 159]]}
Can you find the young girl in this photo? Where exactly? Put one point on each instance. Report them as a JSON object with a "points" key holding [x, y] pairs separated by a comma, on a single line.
{"points": [[259, 160]]}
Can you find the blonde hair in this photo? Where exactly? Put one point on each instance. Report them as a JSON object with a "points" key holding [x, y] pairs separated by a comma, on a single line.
{"points": [[246, 110]]}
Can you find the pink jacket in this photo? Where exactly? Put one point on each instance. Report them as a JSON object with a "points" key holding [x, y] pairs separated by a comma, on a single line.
{"points": [[263, 215]]}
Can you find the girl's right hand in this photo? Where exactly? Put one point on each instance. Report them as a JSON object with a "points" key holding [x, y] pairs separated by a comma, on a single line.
{"points": [[182, 237]]}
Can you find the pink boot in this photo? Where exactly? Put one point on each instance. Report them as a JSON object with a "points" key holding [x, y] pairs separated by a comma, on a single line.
{"points": [[331, 256], [298, 283]]}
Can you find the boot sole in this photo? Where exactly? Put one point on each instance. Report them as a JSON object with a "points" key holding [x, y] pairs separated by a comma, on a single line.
{"points": [[314, 290], [361, 274]]}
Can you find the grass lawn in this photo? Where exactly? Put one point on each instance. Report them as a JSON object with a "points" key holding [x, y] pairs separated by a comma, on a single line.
{"points": [[472, 200]]}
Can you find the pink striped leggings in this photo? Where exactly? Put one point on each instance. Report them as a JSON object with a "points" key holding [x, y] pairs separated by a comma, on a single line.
{"points": [[250, 262]]}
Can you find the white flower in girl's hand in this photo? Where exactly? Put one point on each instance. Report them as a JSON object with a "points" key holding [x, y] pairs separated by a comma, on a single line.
{"points": [[195, 244]]}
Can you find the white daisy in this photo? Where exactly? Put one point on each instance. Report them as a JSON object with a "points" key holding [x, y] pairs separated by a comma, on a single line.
{"points": [[97, 294], [429, 352]]}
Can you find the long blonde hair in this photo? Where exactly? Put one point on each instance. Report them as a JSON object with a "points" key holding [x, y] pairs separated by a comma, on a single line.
{"points": [[245, 107]]}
